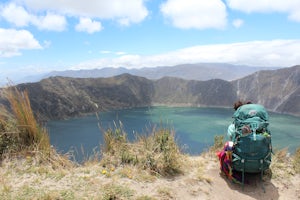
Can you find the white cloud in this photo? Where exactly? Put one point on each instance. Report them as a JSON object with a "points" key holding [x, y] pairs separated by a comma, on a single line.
{"points": [[257, 53], [87, 25], [125, 12], [291, 7], [13, 41], [105, 52], [198, 14], [295, 16], [237, 23], [51, 22], [254, 53], [120, 53], [18, 16]]}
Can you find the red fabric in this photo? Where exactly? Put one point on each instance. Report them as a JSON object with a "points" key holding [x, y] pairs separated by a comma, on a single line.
{"points": [[225, 158]]}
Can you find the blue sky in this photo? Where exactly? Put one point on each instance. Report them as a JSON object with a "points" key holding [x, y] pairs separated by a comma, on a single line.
{"points": [[40, 36]]}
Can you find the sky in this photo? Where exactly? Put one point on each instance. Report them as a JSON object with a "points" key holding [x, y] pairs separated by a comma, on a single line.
{"points": [[42, 36]]}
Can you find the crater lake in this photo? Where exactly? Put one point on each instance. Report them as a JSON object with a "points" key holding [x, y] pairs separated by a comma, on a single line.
{"points": [[195, 128]]}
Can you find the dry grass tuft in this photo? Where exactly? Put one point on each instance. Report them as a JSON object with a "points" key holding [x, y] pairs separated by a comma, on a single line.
{"points": [[113, 191], [218, 144], [21, 128], [157, 152], [296, 161], [22, 136], [165, 193], [281, 166]]}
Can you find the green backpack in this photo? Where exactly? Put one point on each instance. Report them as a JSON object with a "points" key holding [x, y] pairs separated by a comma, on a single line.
{"points": [[252, 141]]}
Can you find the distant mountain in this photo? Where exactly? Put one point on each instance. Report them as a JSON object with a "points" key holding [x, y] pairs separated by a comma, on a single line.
{"points": [[200, 71], [89, 73], [63, 97]]}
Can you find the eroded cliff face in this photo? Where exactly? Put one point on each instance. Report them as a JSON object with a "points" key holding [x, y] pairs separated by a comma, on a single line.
{"points": [[278, 90], [175, 91], [61, 97]]}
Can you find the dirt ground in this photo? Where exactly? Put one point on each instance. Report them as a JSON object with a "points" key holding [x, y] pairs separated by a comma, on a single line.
{"points": [[201, 180], [215, 186]]}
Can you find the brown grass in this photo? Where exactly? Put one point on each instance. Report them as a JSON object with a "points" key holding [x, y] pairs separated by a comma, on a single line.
{"points": [[157, 152], [21, 135], [22, 125], [282, 165], [296, 161]]}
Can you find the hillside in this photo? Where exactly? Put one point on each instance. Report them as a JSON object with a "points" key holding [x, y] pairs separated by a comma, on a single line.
{"points": [[62, 97], [278, 90], [175, 91]]}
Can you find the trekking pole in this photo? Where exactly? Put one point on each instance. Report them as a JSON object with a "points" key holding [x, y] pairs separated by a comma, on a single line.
{"points": [[243, 174], [261, 175]]}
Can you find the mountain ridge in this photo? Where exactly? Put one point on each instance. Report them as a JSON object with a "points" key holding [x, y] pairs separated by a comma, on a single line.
{"points": [[197, 71], [64, 97]]}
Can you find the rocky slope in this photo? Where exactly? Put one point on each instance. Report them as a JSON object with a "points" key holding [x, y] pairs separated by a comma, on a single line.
{"points": [[61, 97], [278, 90], [215, 92]]}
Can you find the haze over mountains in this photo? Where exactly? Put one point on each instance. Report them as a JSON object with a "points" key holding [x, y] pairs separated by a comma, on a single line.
{"points": [[199, 71], [63, 97]]}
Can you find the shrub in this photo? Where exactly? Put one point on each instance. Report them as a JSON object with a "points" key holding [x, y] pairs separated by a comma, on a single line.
{"points": [[281, 165], [21, 134], [112, 191], [114, 138], [8, 132], [296, 161], [218, 144], [162, 152], [157, 152]]}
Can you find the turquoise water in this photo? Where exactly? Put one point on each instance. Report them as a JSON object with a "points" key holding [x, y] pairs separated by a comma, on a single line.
{"points": [[194, 128]]}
